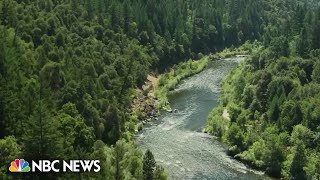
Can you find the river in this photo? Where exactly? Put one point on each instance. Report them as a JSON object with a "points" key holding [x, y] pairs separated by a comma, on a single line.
{"points": [[176, 139]]}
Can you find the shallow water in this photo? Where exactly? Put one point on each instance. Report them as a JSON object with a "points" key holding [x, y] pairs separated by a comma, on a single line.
{"points": [[176, 139]]}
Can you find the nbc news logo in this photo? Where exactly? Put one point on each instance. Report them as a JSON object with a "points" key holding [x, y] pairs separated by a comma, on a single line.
{"points": [[20, 165]]}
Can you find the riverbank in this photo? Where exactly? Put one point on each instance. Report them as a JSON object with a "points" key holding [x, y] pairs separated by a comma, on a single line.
{"points": [[169, 80], [193, 154], [144, 105], [246, 140], [152, 97]]}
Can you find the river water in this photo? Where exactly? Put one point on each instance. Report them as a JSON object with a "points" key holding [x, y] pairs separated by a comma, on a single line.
{"points": [[177, 141]]}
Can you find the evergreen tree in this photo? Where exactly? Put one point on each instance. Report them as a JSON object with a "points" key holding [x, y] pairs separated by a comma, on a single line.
{"points": [[298, 162], [149, 166], [303, 43]]}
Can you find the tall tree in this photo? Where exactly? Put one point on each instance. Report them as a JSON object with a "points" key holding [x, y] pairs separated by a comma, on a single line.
{"points": [[149, 165], [298, 162]]}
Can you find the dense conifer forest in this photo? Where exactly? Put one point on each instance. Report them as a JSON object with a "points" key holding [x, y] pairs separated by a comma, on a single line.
{"points": [[276, 125], [69, 70]]}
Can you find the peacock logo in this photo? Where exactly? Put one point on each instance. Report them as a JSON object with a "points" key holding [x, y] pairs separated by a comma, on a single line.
{"points": [[19, 165]]}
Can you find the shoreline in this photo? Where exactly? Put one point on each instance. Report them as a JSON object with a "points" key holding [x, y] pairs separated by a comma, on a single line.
{"points": [[248, 166], [143, 107], [152, 97], [169, 80]]}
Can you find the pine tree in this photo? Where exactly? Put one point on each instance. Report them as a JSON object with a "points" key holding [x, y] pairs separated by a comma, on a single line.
{"points": [[127, 16], [40, 137], [298, 19], [149, 165], [298, 163]]}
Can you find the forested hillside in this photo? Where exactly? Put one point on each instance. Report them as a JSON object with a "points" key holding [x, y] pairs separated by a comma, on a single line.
{"points": [[68, 70], [269, 112]]}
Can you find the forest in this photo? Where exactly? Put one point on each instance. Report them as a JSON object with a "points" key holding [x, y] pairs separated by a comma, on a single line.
{"points": [[69, 70], [275, 127]]}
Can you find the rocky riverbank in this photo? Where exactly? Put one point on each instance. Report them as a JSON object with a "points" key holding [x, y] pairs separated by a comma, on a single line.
{"points": [[152, 96], [144, 105]]}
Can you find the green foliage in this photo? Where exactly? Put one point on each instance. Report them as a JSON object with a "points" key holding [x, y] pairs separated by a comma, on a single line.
{"points": [[275, 125], [316, 72], [313, 165], [298, 162], [121, 161], [160, 173], [255, 154], [68, 70], [217, 125], [9, 151], [67, 79], [149, 166], [170, 79], [235, 138], [152, 171]]}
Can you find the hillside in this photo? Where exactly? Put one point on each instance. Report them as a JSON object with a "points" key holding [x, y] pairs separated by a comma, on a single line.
{"points": [[69, 70], [272, 100]]}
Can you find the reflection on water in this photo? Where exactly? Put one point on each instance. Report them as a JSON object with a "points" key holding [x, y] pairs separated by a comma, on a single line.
{"points": [[177, 141]]}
